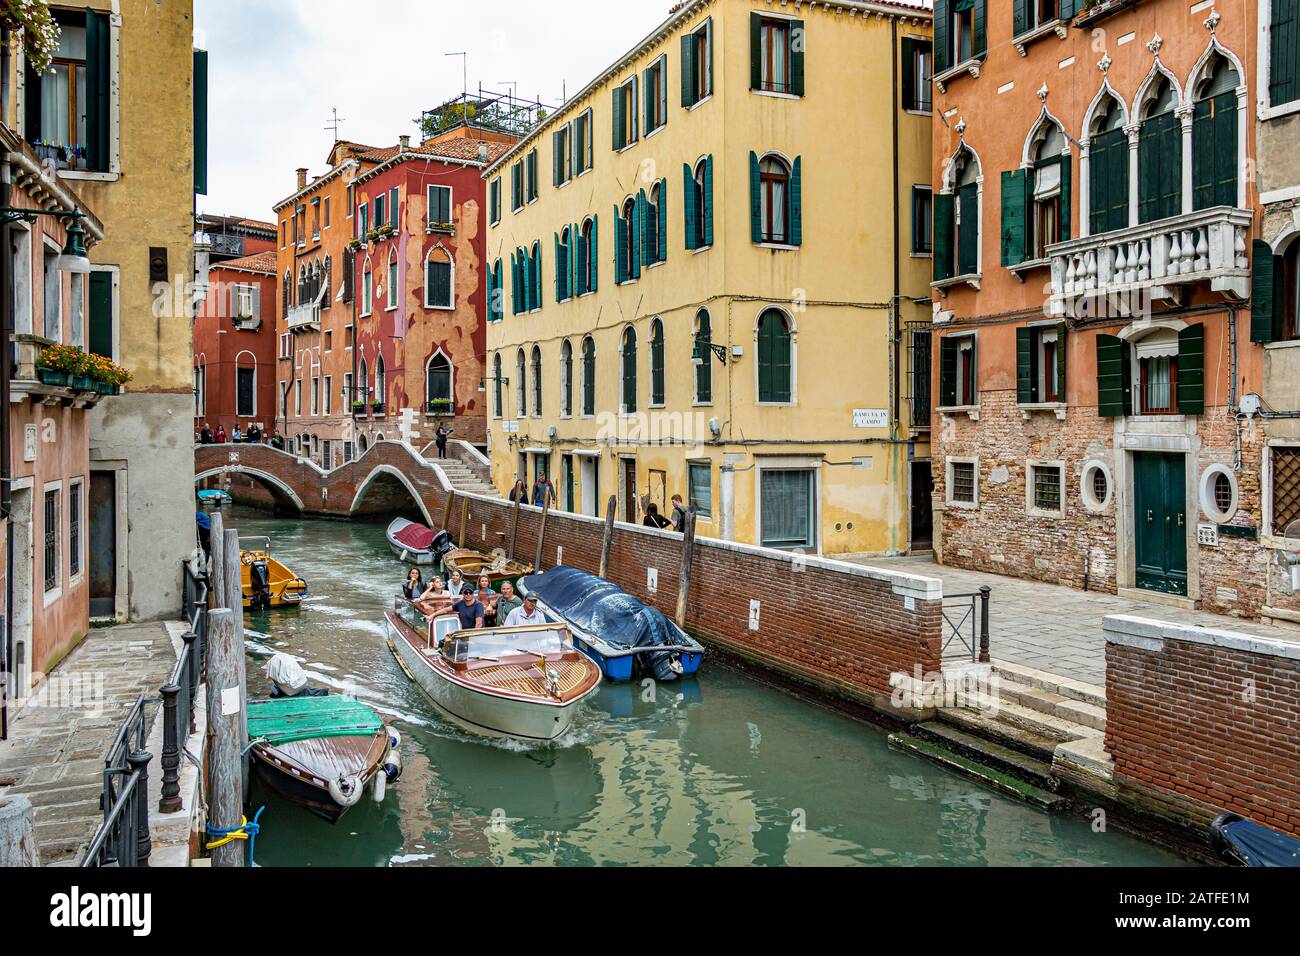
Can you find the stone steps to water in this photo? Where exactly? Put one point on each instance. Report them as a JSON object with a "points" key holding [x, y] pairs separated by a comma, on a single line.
{"points": [[1014, 727], [1029, 769], [1052, 704], [977, 770], [1052, 683]]}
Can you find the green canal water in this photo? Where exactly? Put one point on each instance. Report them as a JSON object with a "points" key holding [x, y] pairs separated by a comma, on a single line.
{"points": [[716, 771]]}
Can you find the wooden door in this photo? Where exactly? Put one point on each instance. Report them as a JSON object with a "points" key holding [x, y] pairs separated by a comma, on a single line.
{"points": [[1160, 522]]}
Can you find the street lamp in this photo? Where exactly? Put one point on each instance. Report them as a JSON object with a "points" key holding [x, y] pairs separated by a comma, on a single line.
{"points": [[73, 258], [700, 355]]}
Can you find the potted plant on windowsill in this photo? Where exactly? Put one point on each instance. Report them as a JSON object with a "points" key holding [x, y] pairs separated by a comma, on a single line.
{"points": [[377, 407], [447, 227], [359, 408], [440, 406], [386, 230], [354, 245], [61, 365]]}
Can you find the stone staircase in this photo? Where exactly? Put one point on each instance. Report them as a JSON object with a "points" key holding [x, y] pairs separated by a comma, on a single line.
{"points": [[1044, 729], [461, 477]]}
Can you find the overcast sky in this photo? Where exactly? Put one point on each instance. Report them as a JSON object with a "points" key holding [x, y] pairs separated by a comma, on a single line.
{"points": [[278, 67]]}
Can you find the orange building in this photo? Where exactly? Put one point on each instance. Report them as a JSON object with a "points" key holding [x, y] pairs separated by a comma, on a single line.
{"points": [[1093, 222]]}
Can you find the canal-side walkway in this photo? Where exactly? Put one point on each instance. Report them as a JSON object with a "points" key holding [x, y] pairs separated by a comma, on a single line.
{"points": [[1056, 629], [57, 740]]}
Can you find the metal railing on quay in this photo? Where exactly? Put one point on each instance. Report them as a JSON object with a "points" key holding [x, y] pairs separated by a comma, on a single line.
{"points": [[966, 626]]}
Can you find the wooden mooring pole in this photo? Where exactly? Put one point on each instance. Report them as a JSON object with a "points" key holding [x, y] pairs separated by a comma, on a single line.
{"points": [[611, 513], [234, 601], [541, 532], [514, 526], [446, 512], [464, 518], [217, 554], [225, 734], [684, 581]]}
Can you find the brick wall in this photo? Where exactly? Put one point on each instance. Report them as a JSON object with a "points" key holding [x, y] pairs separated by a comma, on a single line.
{"points": [[1200, 722]]}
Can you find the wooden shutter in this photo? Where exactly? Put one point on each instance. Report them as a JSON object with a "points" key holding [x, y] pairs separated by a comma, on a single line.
{"points": [[98, 85], [755, 200], [592, 258], [980, 41], [1067, 10], [969, 239], [559, 271], [637, 254], [948, 348], [796, 202], [629, 375], [662, 232], [1108, 174], [1020, 17], [571, 270], [1284, 60], [910, 98], [99, 314], [1191, 370], [942, 36], [620, 249], [1060, 361], [556, 156], [690, 207], [1114, 377], [201, 122], [689, 95], [1214, 152], [32, 107], [798, 43], [1026, 366], [707, 206], [1160, 168], [537, 278], [942, 234], [1014, 200], [1265, 286], [1067, 197], [657, 365], [755, 51]]}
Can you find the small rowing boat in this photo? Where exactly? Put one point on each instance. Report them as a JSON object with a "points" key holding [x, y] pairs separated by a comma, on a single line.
{"points": [[626, 637], [322, 753], [473, 564], [417, 544], [267, 583], [523, 682], [214, 499]]}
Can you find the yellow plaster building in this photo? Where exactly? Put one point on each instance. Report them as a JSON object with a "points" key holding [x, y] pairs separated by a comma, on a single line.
{"points": [[705, 271]]}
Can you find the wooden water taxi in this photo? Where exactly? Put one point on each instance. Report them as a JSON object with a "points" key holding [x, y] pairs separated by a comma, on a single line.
{"points": [[322, 753], [266, 582], [498, 568], [523, 682]]}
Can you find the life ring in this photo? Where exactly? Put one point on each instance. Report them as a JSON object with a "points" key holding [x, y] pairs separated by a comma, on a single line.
{"points": [[346, 791]]}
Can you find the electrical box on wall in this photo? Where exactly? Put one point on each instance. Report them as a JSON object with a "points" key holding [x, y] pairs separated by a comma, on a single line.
{"points": [[1208, 535]]}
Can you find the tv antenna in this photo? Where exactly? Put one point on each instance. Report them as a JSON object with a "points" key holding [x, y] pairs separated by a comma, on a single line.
{"points": [[335, 123], [464, 69]]}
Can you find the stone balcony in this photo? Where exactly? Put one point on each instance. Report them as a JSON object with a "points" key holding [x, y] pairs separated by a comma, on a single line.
{"points": [[304, 317], [1153, 261]]}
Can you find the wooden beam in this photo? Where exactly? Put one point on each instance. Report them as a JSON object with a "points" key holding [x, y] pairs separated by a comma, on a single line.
{"points": [[611, 515], [514, 526], [684, 580], [225, 734], [541, 533]]}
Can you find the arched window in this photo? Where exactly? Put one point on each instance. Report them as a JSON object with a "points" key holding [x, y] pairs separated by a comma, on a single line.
{"points": [[774, 191], [381, 384], [535, 270], [699, 208], [1051, 206], [654, 213], [656, 362], [391, 291], [496, 385], [566, 378], [496, 294], [287, 293], [1160, 154], [537, 381], [704, 371], [586, 272], [629, 266], [1108, 161], [628, 392], [438, 389], [774, 366], [588, 376], [1214, 137], [438, 276], [362, 444], [521, 383], [363, 377], [563, 267], [245, 385], [367, 288], [957, 219]]}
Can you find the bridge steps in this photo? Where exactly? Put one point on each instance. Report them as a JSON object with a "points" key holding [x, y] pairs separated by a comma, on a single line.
{"points": [[462, 478]]}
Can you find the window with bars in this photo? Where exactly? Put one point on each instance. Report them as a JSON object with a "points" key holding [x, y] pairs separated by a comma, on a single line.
{"points": [[1046, 481], [962, 487], [74, 529], [51, 540], [1286, 487], [919, 369]]}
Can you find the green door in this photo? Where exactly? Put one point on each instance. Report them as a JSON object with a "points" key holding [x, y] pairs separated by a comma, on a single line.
{"points": [[1160, 522], [568, 484], [100, 338]]}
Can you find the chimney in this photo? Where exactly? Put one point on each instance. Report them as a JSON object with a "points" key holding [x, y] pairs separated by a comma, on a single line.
{"points": [[302, 178], [483, 152], [404, 143]]}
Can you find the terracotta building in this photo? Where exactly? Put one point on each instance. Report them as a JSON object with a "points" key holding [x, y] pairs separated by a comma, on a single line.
{"points": [[234, 346], [1094, 211]]}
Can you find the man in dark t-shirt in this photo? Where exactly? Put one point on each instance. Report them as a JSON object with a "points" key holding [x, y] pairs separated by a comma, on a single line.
{"points": [[470, 609]]}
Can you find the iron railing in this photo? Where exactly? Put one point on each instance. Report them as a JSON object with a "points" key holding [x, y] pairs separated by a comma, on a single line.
{"points": [[123, 838], [966, 626]]}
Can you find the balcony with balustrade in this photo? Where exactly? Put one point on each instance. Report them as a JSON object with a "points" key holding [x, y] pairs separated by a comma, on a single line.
{"points": [[304, 317], [1154, 261]]}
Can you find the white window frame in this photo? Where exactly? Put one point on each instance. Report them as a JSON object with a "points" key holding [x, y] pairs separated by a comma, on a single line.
{"points": [[392, 271], [327, 398], [82, 553], [1090, 501], [56, 592], [50, 267], [949, 500], [812, 466], [430, 226], [367, 289], [1209, 507], [297, 398], [238, 368], [1031, 480], [451, 283], [584, 162]]}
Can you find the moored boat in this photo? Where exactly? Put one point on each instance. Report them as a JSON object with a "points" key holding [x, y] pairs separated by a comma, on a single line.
{"points": [[214, 498], [417, 544], [266, 582], [624, 636], [522, 682], [1246, 843], [473, 564], [322, 753]]}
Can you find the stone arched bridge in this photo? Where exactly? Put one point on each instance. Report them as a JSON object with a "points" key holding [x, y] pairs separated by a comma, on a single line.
{"points": [[390, 476]]}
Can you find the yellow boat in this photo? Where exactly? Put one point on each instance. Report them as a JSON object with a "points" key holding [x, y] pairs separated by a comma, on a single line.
{"points": [[267, 583]]}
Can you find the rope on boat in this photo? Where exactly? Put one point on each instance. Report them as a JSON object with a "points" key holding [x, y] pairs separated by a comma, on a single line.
{"points": [[245, 831], [253, 743]]}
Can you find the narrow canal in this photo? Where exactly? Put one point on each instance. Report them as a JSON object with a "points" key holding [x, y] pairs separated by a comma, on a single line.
{"points": [[717, 771]]}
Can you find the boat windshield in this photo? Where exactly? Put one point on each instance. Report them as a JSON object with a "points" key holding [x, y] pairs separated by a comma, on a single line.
{"points": [[414, 618], [496, 645]]}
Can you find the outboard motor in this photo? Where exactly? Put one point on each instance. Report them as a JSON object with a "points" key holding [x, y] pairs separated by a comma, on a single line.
{"points": [[441, 545], [259, 582]]}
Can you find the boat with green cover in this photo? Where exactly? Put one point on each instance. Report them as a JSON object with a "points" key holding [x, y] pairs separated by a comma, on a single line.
{"points": [[322, 752]]}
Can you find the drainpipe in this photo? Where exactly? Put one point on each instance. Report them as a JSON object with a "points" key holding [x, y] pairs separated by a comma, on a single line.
{"points": [[6, 464]]}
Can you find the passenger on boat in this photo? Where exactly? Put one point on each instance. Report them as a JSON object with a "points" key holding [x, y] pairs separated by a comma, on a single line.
{"points": [[653, 519], [435, 589], [456, 585], [526, 615], [414, 588], [507, 602], [470, 609]]}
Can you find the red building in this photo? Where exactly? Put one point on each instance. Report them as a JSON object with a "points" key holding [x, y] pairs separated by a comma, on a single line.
{"points": [[234, 346], [422, 293]]}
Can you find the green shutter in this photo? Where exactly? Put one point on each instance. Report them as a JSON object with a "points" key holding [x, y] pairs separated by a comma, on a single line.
{"points": [[1160, 168], [707, 211], [647, 98], [980, 43], [1114, 377], [690, 207], [689, 96], [662, 232], [1067, 10], [948, 372], [98, 84], [639, 255], [201, 122], [1067, 197], [942, 236], [755, 51], [969, 240], [537, 278], [1060, 360], [559, 291], [755, 201], [619, 123], [798, 42], [796, 202], [620, 249], [1020, 17], [1013, 216], [575, 241], [1265, 303], [909, 47], [99, 312], [1214, 152], [942, 36], [1284, 60], [1108, 182], [1191, 370], [555, 159], [592, 260], [1026, 362]]}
